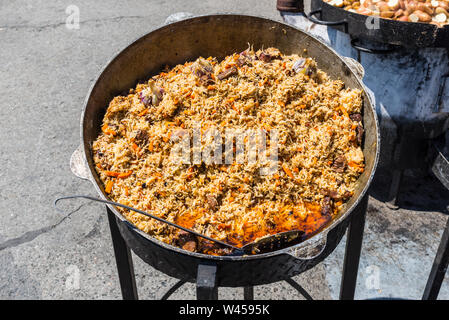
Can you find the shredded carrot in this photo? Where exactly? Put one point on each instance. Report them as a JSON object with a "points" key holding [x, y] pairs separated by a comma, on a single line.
{"points": [[125, 174], [287, 171], [144, 112], [158, 174], [343, 110], [99, 166], [109, 186], [136, 148], [356, 166], [167, 137], [108, 130], [295, 170], [150, 146], [210, 87], [112, 174], [126, 191], [281, 103]]}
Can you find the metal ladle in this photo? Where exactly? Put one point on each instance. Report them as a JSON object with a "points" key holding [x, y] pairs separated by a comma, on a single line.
{"points": [[264, 244]]}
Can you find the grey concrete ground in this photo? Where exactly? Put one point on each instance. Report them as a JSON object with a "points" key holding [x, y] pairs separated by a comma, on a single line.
{"points": [[46, 70]]}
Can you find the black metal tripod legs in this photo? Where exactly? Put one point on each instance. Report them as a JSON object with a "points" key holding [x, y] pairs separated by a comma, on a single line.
{"points": [[123, 259], [439, 268], [353, 249]]}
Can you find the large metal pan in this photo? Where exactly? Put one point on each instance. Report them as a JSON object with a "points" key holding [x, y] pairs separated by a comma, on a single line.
{"points": [[221, 35], [387, 31]]}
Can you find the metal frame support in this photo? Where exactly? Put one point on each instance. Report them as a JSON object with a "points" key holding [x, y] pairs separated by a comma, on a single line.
{"points": [[123, 259], [248, 293], [354, 241], [439, 268], [206, 282]]}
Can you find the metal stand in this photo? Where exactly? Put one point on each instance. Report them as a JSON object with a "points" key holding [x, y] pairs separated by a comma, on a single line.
{"points": [[206, 284], [352, 254], [440, 168], [124, 260], [439, 268]]}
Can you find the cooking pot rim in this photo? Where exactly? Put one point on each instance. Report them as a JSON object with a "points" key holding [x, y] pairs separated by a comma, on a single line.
{"points": [[322, 235]]}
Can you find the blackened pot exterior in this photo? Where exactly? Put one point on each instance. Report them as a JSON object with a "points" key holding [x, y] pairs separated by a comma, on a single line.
{"points": [[387, 31]]}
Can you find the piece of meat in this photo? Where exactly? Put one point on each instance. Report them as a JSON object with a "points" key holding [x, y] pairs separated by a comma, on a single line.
{"points": [[326, 207], [212, 202], [265, 57], [183, 237], [334, 195], [206, 80], [141, 137], [346, 195], [226, 74], [356, 117], [339, 164], [359, 134], [190, 246], [243, 59]]}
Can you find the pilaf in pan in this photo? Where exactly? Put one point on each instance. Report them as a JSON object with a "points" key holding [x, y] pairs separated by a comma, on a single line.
{"points": [[319, 126]]}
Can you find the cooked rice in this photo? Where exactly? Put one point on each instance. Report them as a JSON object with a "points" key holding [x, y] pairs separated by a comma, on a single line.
{"points": [[320, 158]]}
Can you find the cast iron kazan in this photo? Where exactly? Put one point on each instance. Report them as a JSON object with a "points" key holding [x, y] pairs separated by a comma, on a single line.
{"points": [[221, 35], [362, 27]]}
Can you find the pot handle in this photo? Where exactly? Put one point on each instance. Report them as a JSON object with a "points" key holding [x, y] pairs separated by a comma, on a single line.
{"points": [[355, 66], [309, 252], [78, 165]]}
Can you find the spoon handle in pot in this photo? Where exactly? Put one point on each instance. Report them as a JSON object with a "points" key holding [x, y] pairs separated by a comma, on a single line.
{"points": [[112, 203]]}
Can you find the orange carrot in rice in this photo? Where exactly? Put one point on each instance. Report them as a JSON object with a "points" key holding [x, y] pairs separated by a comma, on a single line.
{"points": [[109, 186], [112, 174], [142, 113], [287, 171], [108, 130], [135, 147], [125, 174]]}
